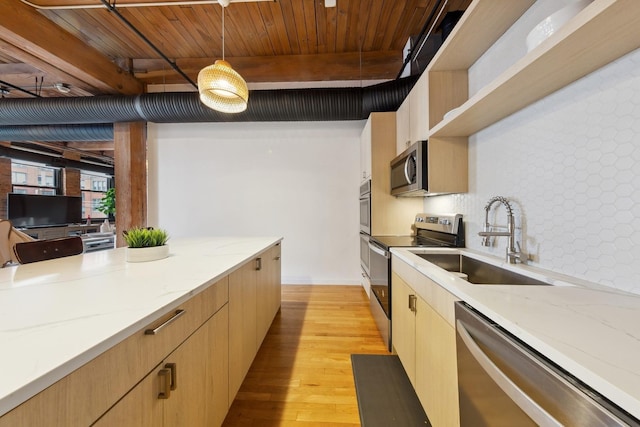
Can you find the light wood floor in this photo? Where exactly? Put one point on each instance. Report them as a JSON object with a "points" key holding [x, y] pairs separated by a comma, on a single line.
{"points": [[302, 374]]}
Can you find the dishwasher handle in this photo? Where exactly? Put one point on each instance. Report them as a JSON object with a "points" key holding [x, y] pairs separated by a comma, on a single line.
{"points": [[519, 397]]}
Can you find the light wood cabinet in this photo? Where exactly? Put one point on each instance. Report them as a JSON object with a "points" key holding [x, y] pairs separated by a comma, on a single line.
{"points": [[268, 291], [403, 325], [254, 300], [403, 125], [412, 117], [424, 338], [242, 324], [365, 152], [390, 215], [419, 110], [197, 381]]}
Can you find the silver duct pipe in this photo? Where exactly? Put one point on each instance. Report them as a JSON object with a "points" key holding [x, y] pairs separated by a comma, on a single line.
{"points": [[185, 107]]}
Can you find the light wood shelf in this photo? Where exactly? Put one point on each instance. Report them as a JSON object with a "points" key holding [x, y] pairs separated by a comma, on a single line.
{"points": [[602, 32]]}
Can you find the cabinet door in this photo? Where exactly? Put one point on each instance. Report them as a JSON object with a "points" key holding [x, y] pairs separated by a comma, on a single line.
{"points": [[138, 408], [436, 372], [199, 395], [419, 110], [242, 324], [365, 152], [403, 138], [268, 291], [403, 325]]}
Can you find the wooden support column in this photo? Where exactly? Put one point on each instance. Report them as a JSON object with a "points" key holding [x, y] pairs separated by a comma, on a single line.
{"points": [[130, 152], [5, 185], [71, 182]]}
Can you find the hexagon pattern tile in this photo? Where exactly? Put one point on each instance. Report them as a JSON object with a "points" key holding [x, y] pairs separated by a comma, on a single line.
{"points": [[570, 164]]}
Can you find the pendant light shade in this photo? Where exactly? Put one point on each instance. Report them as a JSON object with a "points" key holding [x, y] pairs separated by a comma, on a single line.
{"points": [[221, 87]]}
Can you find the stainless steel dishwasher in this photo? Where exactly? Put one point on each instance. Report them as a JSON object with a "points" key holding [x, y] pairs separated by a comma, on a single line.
{"points": [[502, 382]]}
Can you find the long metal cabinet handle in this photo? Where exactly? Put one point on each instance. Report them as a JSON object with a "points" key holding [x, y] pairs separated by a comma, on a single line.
{"points": [[519, 397], [157, 329], [258, 263]]}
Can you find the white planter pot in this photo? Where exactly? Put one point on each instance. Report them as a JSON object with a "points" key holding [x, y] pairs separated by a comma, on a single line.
{"points": [[152, 253]]}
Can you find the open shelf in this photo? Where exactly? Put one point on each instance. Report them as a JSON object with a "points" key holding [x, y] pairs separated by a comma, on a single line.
{"points": [[602, 32]]}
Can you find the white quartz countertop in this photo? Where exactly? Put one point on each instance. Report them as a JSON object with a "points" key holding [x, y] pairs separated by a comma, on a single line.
{"points": [[591, 331], [57, 315]]}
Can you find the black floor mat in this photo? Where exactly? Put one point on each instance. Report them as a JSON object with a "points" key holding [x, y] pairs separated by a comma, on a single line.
{"points": [[385, 395]]}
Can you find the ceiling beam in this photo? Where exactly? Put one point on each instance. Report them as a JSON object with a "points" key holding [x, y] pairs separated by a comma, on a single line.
{"points": [[54, 50], [284, 68], [91, 145]]}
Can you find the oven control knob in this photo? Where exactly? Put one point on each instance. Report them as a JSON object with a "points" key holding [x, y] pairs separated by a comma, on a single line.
{"points": [[445, 222], [419, 219]]}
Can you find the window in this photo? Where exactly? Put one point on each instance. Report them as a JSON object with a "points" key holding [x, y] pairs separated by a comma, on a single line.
{"points": [[94, 187], [34, 178]]}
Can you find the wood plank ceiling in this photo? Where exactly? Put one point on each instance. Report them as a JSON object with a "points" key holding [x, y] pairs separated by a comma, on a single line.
{"points": [[85, 46]]}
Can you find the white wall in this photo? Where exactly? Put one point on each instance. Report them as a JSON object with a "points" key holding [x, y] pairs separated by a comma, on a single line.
{"points": [[295, 180], [570, 164]]}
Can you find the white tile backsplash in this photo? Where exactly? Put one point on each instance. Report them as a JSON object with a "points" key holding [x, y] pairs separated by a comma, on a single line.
{"points": [[570, 165]]}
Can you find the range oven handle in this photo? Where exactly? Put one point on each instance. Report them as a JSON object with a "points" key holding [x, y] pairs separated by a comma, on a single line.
{"points": [[378, 250], [515, 393]]}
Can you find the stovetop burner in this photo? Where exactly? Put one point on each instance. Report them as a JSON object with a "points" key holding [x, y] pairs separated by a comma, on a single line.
{"points": [[431, 231]]}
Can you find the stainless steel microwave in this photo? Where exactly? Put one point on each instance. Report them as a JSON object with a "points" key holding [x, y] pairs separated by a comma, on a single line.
{"points": [[409, 171]]}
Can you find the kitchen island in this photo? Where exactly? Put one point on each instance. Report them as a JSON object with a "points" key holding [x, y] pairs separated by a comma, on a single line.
{"points": [[59, 317], [590, 331]]}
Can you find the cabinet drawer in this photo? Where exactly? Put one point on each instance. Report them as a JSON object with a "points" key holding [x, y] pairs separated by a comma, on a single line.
{"points": [[83, 396]]}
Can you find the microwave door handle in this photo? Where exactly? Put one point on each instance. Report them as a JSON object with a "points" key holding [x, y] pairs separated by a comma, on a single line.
{"points": [[519, 397], [406, 169]]}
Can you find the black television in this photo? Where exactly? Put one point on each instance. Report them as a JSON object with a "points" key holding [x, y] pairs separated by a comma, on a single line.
{"points": [[36, 210]]}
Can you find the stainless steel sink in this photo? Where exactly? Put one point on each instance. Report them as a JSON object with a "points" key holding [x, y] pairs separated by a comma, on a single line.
{"points": [[478, 272]]}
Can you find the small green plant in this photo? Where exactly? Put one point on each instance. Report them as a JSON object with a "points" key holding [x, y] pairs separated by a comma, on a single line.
{"points": [[107, 204], [139, 237]]}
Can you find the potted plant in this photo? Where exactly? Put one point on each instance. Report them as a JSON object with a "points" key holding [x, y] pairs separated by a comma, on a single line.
{"points": [[107, 204], [146, 244]]}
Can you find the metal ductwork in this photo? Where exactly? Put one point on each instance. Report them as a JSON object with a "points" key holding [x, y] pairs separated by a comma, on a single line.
{"points": [[19, 114], [57, 133]]}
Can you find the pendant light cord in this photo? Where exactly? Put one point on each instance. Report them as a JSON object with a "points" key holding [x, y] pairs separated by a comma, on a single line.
{"points": [[223, 32]]}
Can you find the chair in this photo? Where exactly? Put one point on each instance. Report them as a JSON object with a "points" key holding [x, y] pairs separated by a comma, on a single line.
{"points": [[9, 236], [40, 250]]}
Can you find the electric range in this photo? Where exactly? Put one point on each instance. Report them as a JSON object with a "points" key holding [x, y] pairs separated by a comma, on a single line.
{"points": [[431, 230]]}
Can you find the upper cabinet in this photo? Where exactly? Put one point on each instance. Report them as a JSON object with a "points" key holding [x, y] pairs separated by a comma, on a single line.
{"points": [[412, 117], [602, 32], [365, 152], [403, 138], [390, 215], [419, 110]]}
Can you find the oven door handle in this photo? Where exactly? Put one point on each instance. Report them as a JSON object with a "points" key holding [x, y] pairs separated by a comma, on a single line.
{"points": [[378, 250]]}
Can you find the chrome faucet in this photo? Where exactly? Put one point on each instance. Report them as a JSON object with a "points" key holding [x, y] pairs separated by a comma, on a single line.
{"points": [[513, 254]]}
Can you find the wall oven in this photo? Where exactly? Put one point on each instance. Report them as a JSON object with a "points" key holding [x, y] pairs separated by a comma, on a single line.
{"points": [[365, 207], [432, 230]]}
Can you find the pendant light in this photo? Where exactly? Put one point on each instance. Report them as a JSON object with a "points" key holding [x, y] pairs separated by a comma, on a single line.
{"points": [[221, 87]]}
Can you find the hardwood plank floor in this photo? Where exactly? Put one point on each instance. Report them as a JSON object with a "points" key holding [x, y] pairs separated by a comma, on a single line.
{"points": [[302, 374]]}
